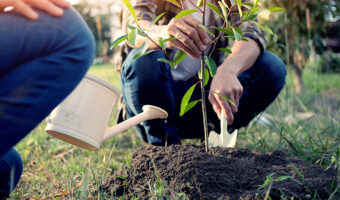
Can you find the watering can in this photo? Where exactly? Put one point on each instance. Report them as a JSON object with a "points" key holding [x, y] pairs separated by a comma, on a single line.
{"points": [[82, 118]]}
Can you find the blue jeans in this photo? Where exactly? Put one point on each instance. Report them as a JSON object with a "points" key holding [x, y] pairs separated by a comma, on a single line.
{"points": [[10, 172], [41, 62], [148, 81]]}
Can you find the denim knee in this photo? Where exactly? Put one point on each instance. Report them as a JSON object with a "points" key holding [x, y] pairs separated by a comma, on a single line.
{"points": [[274, 70], [81, 41], [10, 172]]}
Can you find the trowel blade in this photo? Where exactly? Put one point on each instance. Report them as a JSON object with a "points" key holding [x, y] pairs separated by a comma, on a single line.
{"points": [[228, 140], [214, 139]]}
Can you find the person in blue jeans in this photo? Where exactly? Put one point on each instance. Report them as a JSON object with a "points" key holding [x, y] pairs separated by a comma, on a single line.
{"points": [[251, 77], [45, 50]]}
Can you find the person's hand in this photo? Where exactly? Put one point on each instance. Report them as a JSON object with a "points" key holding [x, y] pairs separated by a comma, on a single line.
{"points": [[52, 7], [225, 83], [192, 38]]}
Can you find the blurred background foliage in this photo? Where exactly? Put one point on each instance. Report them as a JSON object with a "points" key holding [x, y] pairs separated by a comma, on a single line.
{"points": [[306, 35]]}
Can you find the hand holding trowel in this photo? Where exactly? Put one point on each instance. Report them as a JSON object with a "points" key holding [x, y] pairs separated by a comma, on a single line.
{"points": [[224, 139]]}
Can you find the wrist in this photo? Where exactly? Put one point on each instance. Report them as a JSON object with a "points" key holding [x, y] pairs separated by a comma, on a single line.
{"points": [[232, 68]]}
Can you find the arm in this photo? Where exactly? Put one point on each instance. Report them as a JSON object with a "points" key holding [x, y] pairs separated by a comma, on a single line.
{"points": [[243, 57], [226, 82]]}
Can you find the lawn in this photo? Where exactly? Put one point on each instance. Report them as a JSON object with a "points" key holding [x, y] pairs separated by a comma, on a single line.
{"points": [[304, 125]]}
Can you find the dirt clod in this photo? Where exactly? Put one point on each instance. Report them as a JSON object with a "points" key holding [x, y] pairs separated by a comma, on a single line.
{"points": [[222, 173]]}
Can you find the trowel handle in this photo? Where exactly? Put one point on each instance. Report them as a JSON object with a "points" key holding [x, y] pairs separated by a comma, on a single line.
{"points": [[223, 123]]}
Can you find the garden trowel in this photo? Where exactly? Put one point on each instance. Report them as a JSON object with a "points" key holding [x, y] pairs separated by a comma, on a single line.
{"points": [[224, 139]]}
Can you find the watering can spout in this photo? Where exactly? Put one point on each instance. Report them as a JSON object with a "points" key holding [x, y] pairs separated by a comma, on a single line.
{"points": [[149, 113]]}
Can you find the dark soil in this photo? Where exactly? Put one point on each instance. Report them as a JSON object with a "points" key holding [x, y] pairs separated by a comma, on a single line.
{"points": [[222, 173]]}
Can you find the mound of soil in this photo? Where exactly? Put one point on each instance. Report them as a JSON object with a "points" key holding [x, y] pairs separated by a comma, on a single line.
{"points": [[222, 173]]}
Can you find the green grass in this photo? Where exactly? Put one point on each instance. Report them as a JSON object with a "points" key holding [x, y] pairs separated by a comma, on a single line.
{"points": [[56, 170]]}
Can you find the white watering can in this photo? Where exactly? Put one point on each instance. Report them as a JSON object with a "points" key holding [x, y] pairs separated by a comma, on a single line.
{"points": [[82, 118]]}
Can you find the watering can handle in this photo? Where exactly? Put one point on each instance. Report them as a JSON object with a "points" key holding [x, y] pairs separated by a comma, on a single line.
{"points": [[149, 112]]}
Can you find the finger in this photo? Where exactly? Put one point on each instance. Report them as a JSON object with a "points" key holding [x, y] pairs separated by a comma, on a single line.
{"points": [[180, 45], [226, 108], [5, 3], [215, 105], [238, 95], [192, 33], [61, 3], [233, 105], [25, 10], [202, 33], [186, 41], [47, 7]]}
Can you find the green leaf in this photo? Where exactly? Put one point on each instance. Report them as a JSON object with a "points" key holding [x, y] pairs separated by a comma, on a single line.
{"points": [[252, 17], [141, 50], [186, 99], [211, 65], [179, 56], [206, 76], [282, 178], [141, 55], [237, 33], [185, 13], [276, 9], [156, 19], [132, 37], [162, 43], [131, 27], [248, 4], [224, 97], [207, 30], [214, 8], [224, 10], [220, 29], [118, 41], [174, 2], [239, 6], [226, 5], [169, 39], [172, 64], [263, 27], [199, 3], [132, 11], [226, 50], [190, 105]]}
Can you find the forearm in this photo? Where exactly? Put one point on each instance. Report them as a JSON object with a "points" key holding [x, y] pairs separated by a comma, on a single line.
{"points": [[244, 55]]}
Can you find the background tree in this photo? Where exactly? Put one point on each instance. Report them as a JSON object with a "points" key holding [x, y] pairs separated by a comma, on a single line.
{"points": [[99, 16], [300, 34]]}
